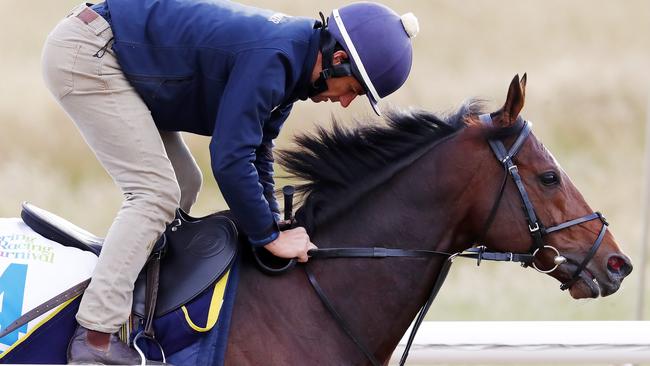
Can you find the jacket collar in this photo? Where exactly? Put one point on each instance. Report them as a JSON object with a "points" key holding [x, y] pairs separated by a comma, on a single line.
{"points": [[301, 89]]}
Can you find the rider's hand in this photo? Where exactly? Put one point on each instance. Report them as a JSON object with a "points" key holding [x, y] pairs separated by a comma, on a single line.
{"points": [[292, 243]]}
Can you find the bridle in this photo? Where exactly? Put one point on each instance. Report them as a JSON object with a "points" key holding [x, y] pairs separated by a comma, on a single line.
{"points": [[535, 227], [537, 231]]}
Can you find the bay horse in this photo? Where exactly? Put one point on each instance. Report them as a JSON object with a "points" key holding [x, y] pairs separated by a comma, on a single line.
{"points": [[419, 182]]}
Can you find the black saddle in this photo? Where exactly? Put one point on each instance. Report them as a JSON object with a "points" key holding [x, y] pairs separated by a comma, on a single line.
{"points": [[196, 253]]}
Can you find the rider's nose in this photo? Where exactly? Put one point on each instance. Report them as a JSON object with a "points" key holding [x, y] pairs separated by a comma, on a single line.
{"points": [[619, 265]]}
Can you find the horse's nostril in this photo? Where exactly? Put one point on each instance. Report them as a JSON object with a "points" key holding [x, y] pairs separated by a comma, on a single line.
{"points": [[619, 265]]}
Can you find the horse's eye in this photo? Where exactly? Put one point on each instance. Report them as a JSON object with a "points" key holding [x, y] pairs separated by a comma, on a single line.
{"points": [[549, 178]]}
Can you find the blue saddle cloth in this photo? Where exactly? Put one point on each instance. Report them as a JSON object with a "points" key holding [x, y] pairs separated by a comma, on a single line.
{"points": [[210, 350], [48, 343], [183, 344], [195, 299]]}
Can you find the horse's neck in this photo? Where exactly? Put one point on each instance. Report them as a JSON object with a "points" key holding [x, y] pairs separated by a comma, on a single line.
{"points": [[418, 209]]}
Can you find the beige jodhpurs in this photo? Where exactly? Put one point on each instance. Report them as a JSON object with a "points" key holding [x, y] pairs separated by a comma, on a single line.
{"points": [[154, 170]]}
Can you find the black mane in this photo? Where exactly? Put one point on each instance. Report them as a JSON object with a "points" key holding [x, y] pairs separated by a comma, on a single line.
{"points": [[339, 166]]}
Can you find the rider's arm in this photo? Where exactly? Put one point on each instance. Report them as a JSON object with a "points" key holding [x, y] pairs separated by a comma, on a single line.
{"points": [[264, 157], [255, 86]]}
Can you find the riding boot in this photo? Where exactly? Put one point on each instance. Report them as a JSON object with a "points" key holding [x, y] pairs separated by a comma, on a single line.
{"points": [[91, 347]]}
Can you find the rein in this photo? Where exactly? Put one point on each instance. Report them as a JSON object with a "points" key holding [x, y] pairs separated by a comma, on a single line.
{"points": [[536, 228], [479, 253]]}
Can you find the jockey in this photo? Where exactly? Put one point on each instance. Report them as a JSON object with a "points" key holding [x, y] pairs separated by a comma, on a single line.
{"points": [[133, 74]]}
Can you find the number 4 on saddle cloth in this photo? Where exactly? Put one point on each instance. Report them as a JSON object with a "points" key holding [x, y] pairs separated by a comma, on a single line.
{"points": [[189, 280]]}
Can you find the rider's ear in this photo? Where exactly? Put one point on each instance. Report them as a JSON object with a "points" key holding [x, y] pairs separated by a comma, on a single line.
{"points": [[338, 57], [508, 114]]}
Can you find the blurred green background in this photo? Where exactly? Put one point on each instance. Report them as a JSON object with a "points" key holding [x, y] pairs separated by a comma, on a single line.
{"points": [[588, 77]]}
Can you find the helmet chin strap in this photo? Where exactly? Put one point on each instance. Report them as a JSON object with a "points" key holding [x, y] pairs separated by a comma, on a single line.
{"points": [[329, 70]]}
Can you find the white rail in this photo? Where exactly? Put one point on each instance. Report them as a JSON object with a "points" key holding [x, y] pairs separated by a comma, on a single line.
{"points": [[503, 342]]}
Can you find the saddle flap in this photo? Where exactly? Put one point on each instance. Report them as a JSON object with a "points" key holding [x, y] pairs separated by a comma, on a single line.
{"points": [[59, 230], [198, 252]]}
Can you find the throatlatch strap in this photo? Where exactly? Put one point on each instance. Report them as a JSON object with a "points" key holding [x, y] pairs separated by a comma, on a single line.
{"points": [[495, 208]]}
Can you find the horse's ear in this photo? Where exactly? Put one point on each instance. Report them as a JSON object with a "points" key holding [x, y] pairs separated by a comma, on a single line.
{"points": [[507, 115]]}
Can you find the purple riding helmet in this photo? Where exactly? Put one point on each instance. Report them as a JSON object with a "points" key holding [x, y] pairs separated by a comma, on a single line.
{"points": [[378, 43]]}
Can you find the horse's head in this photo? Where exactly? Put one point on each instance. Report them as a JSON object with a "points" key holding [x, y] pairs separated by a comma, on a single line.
{"points": [[422, 179], [544, 212]]}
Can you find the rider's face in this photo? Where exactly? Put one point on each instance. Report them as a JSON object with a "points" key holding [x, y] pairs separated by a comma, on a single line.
{"points": [[342, 89]]}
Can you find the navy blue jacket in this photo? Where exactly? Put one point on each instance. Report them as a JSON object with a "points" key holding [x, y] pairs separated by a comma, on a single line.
{"points": [[224, 70]]}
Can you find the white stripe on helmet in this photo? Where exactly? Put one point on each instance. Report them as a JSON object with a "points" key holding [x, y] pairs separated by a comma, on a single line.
{"points": [[355, 55]]}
